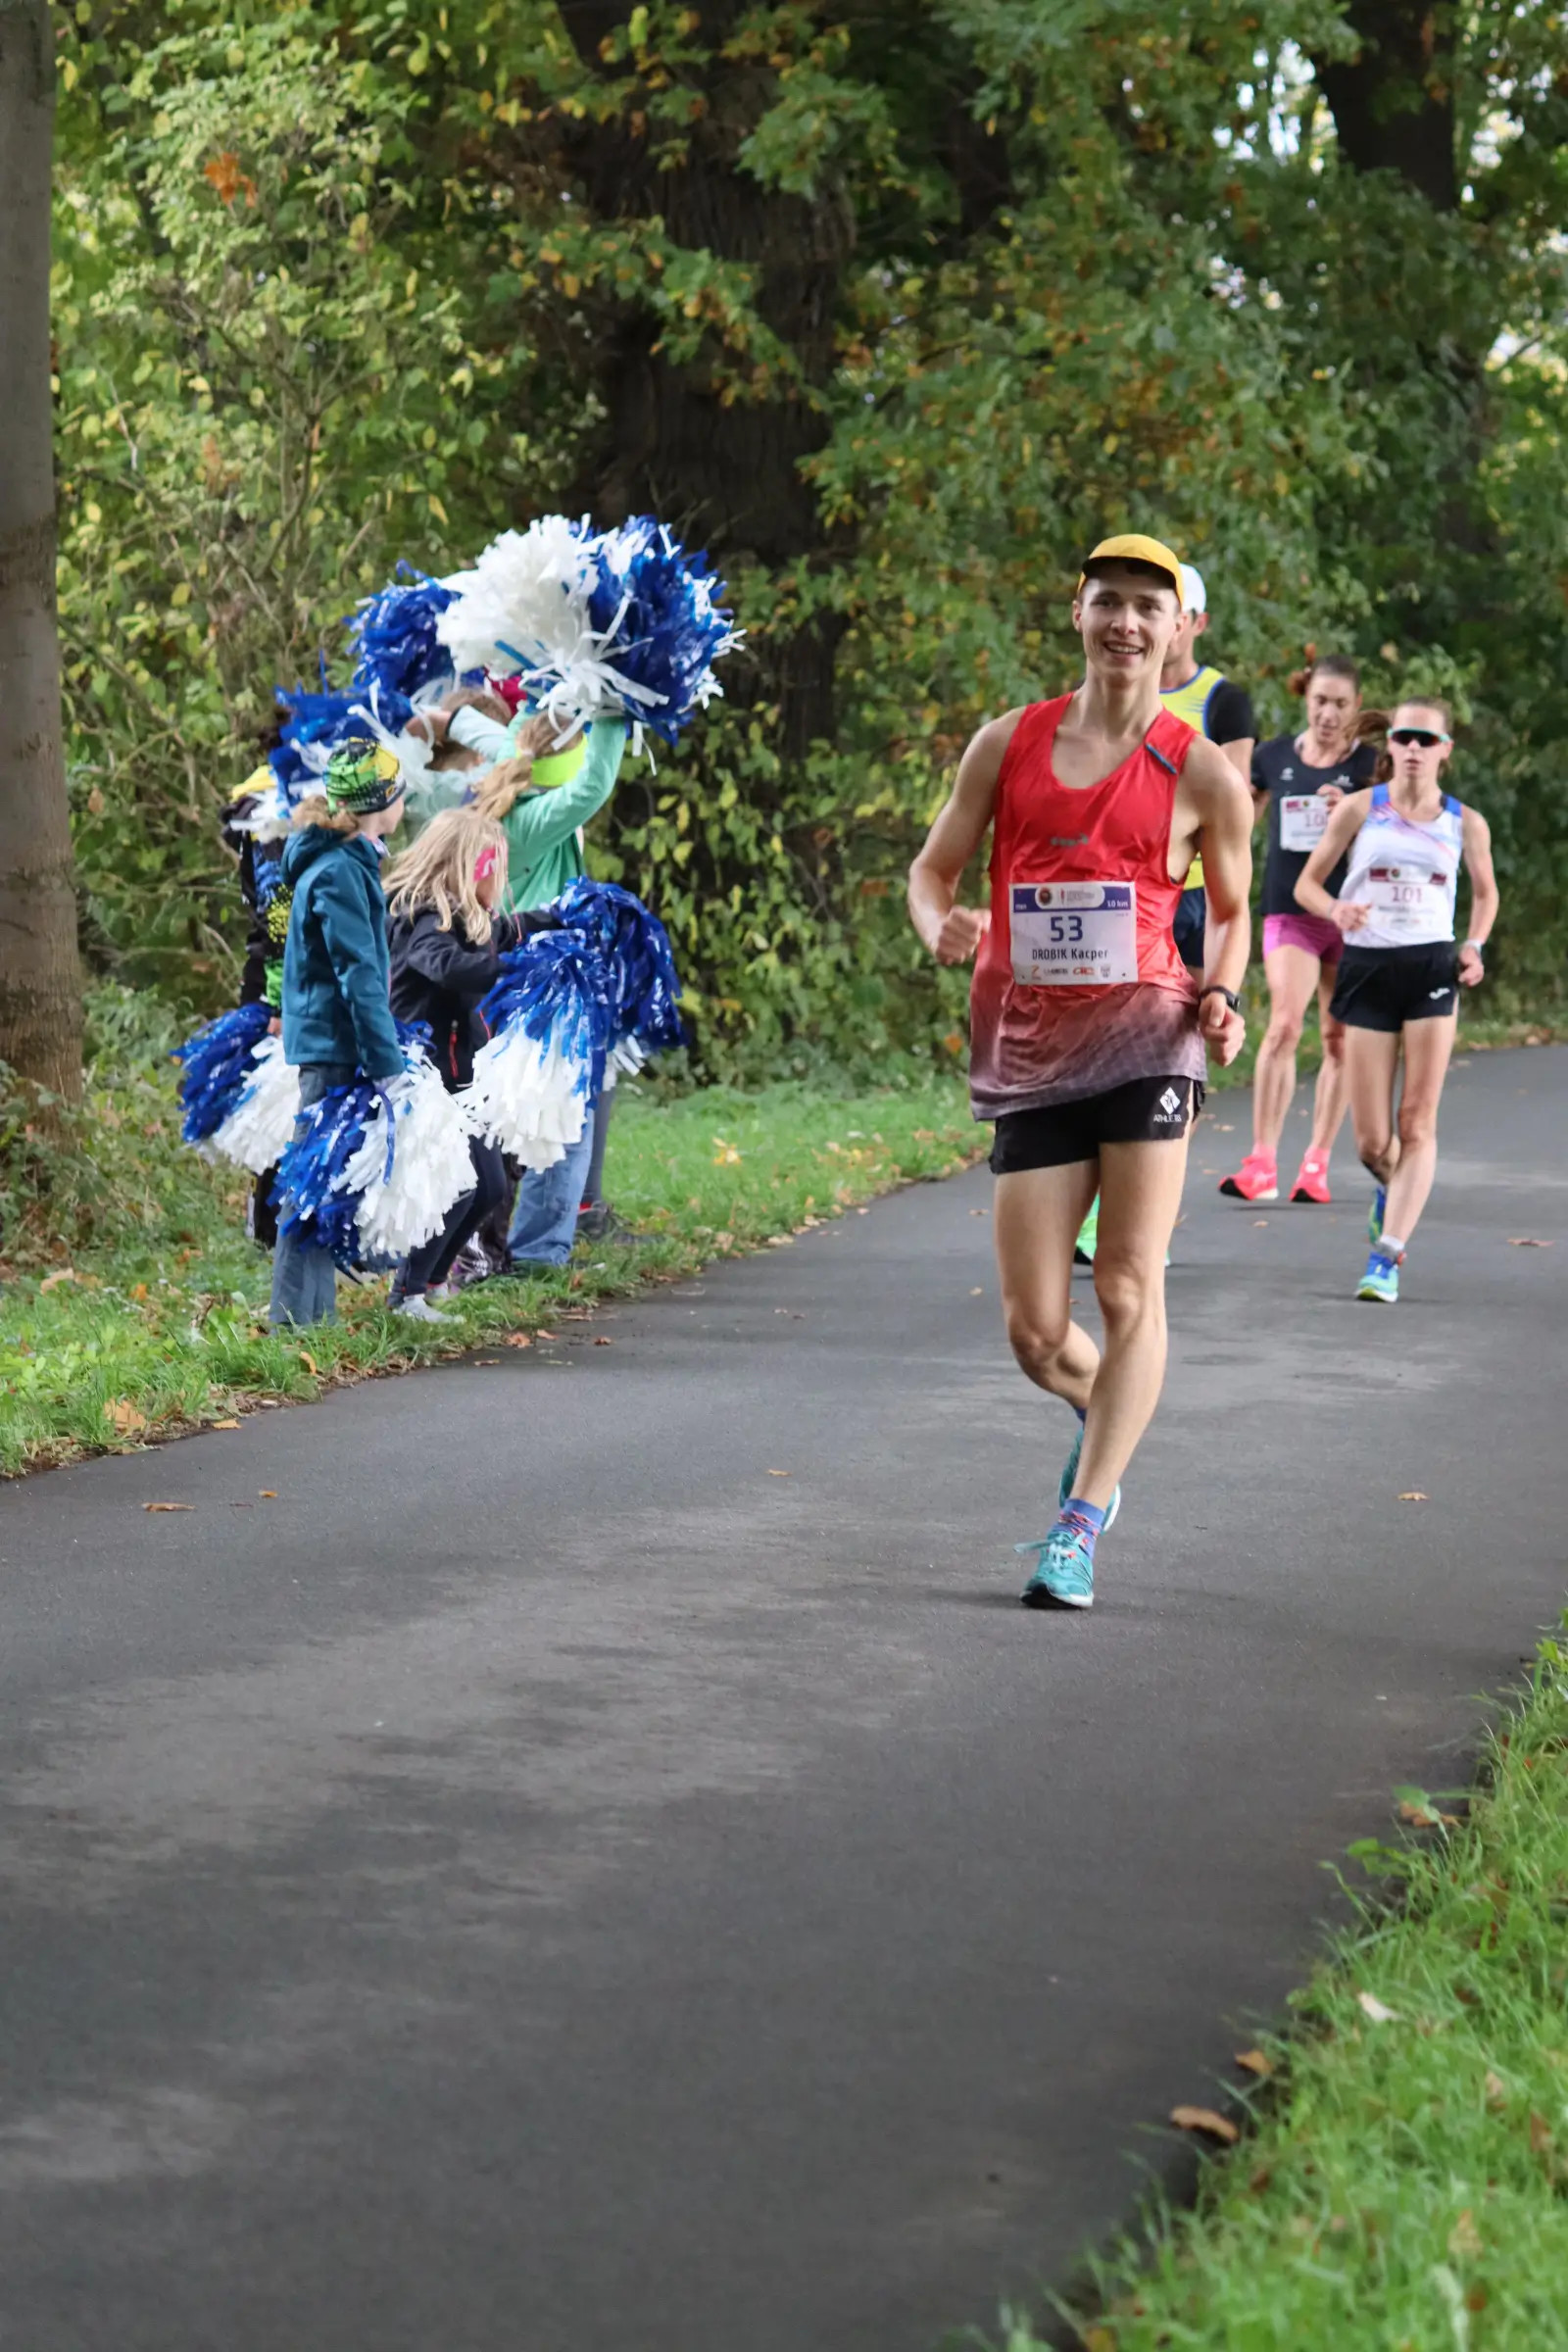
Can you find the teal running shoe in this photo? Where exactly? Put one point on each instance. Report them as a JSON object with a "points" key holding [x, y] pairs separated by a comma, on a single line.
{"points": [[1070, 1471], [1083, 1250], [1065, 1572], [1380, 1210], [1381, 1281]]}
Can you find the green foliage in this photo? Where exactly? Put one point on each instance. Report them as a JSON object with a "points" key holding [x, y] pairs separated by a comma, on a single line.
{"points": [[897, 310]]}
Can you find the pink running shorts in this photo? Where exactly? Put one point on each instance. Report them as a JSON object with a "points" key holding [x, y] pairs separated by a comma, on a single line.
{"points": [[1314, 933]]}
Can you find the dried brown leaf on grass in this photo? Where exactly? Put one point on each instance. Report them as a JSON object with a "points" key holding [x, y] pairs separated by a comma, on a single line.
{"points": [[1255, 2062], [1204, 2119], [125, 1416]]}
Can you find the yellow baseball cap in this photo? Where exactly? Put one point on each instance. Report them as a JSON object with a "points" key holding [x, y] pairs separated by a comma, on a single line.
{"points": [[1131, 547]]}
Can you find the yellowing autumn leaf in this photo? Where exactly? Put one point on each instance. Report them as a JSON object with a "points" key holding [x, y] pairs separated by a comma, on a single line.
{"points": [[309, 1361], [222, 1425], [1415, 1496], [52, 1282], [126, 1417], [168, 1507], [1464, 2238], [1255, 2062], [1204, 2119]]}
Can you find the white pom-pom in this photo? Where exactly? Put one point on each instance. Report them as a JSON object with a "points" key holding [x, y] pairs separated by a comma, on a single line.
{"points": [[431, 1168], [525, 600], [527, 1098], [255, 1130]]}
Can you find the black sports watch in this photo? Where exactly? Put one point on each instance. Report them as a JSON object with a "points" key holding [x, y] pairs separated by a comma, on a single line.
{"points": [[1216, 990]]}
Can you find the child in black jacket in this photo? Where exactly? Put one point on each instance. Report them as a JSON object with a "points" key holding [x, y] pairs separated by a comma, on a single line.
{"points": [[446, 943]]}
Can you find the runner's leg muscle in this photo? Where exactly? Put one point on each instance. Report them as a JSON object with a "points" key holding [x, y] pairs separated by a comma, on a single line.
{"points": [[1139, 1195], [1037, 1215], [1428, 1046], [1329, 1095], [1371, 1058], [1291, 976]]}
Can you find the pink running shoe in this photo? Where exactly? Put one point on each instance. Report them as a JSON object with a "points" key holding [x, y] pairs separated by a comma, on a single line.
{"points": [[1256, 1179], [1312, 1182]]}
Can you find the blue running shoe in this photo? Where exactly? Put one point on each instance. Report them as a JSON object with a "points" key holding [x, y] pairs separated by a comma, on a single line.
{"points": [[1070, 1471], [1380, 1210], [1065, 1572], [1381, 1280]]}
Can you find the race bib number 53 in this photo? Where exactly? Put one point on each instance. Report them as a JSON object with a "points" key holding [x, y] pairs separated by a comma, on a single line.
{"points": [[1073, 934]]}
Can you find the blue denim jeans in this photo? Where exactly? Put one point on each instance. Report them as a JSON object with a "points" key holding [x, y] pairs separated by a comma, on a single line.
{"points": [[305, 1280], [544, 1219]]}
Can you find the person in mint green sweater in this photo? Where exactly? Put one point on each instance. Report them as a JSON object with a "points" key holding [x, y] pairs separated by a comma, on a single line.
{"points": [[542, 797]]}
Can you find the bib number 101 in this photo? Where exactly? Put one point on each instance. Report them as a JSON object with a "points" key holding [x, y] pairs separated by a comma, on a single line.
{"points": [[1073, 934]]}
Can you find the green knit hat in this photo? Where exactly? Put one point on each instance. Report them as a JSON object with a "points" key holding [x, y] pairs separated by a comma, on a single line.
{"points": [[362, 775]]}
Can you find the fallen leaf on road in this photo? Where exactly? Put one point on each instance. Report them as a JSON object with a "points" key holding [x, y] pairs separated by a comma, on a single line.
{"points": [[222, 1425], [1203, 2119], [520, 1339], [1414, 1495], [267, 1493], [1260, 1220], [309, 1361], [126, 1417], [1255, 2062], [52, 1281], [1420, 1817], [778, 1474], [781, 1241], [1464, 2238], [977, 1294], [491, 1361], [1522, 1240], [168, 1507], [1377, 2011], [603, 1342]]}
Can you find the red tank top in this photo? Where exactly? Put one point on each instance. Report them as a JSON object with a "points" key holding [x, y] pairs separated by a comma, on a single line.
{"points": [[1033, 1043]]}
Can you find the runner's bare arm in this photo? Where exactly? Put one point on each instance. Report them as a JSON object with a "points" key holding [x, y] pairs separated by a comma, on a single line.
{"points": [[1221, 802], [1483, 897], [951, 932], [1337, 834]]}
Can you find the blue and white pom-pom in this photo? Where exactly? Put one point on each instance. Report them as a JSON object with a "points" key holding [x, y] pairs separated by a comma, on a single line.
{"points": [[376, 1168], [257, 1130], [572, 1006], [622, 624], [219, 1066], [399, 656], [240, 1096]]}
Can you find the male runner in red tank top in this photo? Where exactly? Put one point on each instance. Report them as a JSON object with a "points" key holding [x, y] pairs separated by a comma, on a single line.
{"points": [[1088, 1034]]}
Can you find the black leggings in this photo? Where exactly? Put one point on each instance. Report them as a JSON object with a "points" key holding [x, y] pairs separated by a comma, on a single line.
{"points": [[431, 1262]]}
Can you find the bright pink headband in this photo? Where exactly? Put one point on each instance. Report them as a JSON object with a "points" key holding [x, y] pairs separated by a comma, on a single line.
{"points": [[485, 865]]}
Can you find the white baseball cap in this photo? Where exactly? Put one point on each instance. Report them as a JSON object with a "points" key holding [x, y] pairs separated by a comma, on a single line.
{"points": [[1195, 596]]}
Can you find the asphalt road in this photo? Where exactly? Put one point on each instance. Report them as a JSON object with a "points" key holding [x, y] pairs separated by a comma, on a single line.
{"points": [[548, 1881]]}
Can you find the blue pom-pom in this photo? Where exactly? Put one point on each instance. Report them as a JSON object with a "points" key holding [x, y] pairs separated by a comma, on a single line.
{"points": [[312, 1192], [397, 649], [608, 977], [656, 611], [217, 1069], [319, 721]]}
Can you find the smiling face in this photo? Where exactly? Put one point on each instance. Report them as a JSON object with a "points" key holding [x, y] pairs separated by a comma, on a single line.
{"points": [[1126, 617], [1419, 765]]}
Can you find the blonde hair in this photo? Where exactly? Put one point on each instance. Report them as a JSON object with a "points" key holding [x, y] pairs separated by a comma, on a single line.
{"points": [[439, 871], [500, 786], [319, 811]]}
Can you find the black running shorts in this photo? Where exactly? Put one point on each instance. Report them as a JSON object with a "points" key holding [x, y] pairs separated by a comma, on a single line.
{"points": [[1146, 1111], [1383, 988]]}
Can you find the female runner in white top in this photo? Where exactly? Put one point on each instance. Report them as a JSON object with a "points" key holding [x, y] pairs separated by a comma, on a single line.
{"points": [[1397, 983]]}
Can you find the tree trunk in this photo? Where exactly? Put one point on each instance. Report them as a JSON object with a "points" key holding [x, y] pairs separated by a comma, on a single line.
{"points": [[1392, 102], [40, 978]]}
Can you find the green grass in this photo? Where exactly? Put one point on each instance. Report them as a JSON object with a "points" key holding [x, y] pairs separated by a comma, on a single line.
{"points": [[1405, 2181], [134, 1308]]}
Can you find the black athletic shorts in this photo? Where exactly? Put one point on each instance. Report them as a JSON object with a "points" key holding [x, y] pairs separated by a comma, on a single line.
{"points": [[1383, 988], [1146, 1111]]}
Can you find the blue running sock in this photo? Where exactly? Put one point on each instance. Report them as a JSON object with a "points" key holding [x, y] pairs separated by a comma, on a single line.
{"points": [[1084, 1519]]}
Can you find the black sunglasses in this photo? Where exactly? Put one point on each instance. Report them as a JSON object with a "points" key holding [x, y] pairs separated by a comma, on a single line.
{"points": [[1421, 735]]}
